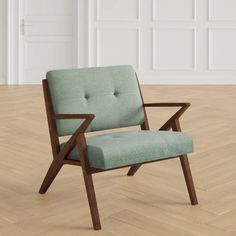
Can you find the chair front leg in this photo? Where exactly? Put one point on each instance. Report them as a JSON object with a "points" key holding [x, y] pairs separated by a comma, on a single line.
{"points": [[88, 180], [186, 170], [188, 179], [92, 200]]}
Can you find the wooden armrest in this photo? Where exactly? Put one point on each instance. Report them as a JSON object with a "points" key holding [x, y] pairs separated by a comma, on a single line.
{"points": [[80, 131], [167, 104], [72, 116], [172, 120]]}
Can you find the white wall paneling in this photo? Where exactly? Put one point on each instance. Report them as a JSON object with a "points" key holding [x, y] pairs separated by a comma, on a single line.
{"points": [[169, 44], [114, 35], [221, 39], [3, 41], [174, 10], [53, 8], [125, 39], [157, 37], [172, 44], [222, 50], [222, 10], [167, 41], [12, 42], [117, 10]]}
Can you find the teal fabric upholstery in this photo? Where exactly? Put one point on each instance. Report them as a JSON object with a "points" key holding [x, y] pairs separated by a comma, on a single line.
{"points": [[126, 148], [111, 93]]}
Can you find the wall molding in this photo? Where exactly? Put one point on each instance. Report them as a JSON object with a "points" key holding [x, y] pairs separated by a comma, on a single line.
{"points": [[211, 19], [203, 72], [97, 41], [185, 80], [155, 16], [210, 66], [13, 42], [154, 67], [98, 15]]}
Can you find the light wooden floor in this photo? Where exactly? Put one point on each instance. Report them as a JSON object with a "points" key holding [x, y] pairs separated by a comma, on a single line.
{"points": [[152, 203]]}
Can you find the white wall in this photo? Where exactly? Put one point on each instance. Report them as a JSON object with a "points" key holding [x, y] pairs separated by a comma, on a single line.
{"points": [[3, 41], [168, 41]]}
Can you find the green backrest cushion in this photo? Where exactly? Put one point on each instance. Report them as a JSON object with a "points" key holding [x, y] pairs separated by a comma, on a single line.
{"points": [[111, 93]]}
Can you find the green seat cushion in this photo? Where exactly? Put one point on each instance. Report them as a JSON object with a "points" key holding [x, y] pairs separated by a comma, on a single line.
{"points": [[126, 148], [111, 93]]}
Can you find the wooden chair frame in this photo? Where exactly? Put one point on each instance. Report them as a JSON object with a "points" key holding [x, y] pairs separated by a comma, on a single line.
{"points": [[78, 139]]}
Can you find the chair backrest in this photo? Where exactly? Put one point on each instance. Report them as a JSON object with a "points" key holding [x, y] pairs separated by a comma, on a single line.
{"points": [[111, 93]]}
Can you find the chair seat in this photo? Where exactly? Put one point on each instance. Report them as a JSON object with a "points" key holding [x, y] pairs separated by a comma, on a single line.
{"points": [[125, 148]]}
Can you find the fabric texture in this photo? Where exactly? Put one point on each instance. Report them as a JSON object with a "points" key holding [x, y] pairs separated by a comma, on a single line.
{"points": [[126, 148], [111, 93]]}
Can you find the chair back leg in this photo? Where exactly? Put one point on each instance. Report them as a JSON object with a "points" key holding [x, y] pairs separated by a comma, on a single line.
{"points": [[133, 169], [188, 179], [50, 176]]}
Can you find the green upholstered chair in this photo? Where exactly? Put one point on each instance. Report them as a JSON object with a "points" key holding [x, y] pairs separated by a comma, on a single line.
{"points": [[92, 99]]}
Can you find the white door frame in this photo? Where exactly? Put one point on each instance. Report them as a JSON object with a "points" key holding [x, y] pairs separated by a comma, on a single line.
{"points": [[13, 40]]}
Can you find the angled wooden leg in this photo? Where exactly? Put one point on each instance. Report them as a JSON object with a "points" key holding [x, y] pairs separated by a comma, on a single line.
{"points": [[92, 200], [186, 169], [188, 179], [88, 180], [50, 176], [133, 169]]}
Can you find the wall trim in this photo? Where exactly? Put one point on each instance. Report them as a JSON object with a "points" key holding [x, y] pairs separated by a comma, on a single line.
{"points": [[199, 80], [83, 49], [12, 41]]}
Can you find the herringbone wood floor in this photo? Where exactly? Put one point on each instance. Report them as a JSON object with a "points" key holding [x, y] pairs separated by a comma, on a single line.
{"points": [[153, 202]]}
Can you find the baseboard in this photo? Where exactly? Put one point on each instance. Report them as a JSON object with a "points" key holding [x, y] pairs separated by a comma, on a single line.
{"points": [[145, 80], [187, 81]]}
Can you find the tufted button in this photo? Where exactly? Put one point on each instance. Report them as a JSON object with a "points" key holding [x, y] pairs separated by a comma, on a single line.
{"points": [[86, 96], [116, 93]]}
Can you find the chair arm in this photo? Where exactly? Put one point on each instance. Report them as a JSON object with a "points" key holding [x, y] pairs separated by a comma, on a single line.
{"points": [[72, 116], [87, 120], [167, 104], [80, 131], [174, 119]]}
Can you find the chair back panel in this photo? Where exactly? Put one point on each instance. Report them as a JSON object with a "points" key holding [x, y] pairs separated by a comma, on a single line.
{"points": [[111, 93]]}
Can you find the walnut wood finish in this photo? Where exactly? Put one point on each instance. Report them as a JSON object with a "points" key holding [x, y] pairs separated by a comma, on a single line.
{"points": [[78, 139], [82, 148], [50, 176], [186, 170], [166, 126], [51, 123]]}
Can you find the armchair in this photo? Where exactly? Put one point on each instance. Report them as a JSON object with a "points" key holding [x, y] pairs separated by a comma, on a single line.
{"points": [[92, 99]]}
